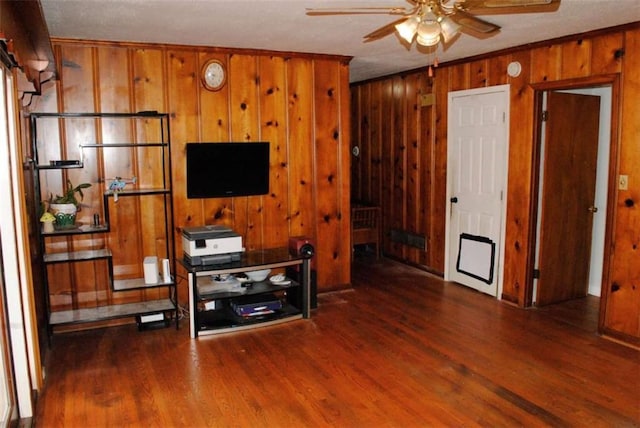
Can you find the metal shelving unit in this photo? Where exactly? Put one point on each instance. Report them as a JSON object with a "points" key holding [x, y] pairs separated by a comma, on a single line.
{"points": [[84, 313]]}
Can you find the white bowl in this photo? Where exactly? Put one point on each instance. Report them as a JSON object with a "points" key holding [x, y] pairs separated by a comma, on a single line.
{"points": [[258, 275]]}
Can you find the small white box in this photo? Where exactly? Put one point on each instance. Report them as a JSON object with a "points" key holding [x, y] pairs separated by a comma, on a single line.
{"points": [[151, 270], [166, 271]]}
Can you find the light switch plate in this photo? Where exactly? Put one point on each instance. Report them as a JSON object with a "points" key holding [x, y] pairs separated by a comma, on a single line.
{"points": [[623, 182]]}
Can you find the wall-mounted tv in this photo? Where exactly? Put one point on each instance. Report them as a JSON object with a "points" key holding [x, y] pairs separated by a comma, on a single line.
{"points": [[220, 170]]}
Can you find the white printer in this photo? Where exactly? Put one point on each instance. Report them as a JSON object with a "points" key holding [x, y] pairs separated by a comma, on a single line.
{"points": [[213, 244]]}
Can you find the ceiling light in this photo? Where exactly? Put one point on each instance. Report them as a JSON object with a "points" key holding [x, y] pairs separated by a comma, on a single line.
{"points": [[407, 29], [449, 28], [428, 33], [428, 27]]}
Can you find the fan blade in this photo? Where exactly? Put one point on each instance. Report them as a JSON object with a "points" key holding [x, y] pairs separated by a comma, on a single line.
{"points": [[473, 22], [501, 7], [383, 31], [358, 11]]}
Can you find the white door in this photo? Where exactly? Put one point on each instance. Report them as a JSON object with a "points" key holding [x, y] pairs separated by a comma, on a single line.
{"points": [[478, 132]]}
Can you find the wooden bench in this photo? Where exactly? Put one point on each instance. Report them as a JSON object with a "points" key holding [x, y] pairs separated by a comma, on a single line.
{"points": [[365, 227]]}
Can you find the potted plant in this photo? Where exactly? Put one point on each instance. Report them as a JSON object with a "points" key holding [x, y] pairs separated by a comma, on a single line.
{"points": [[64, 207]]}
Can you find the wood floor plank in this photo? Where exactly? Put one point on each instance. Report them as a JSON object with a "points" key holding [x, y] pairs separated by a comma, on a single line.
{"points": [[400, 349]]}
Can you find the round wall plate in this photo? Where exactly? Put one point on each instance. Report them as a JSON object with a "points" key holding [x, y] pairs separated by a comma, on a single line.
{"points": [[514, 68]]}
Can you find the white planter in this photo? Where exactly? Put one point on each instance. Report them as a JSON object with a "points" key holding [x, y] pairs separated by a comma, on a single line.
{"points": [[65, 215]]}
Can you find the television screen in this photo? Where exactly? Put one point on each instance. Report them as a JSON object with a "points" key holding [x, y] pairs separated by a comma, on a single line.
{"points": [[218, 170]]}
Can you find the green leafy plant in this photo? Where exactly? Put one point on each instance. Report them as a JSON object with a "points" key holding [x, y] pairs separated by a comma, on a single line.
{"points": [[69, 196]]}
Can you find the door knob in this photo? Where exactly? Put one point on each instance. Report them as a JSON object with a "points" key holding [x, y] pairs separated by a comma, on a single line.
{"points": [[593, 209], [454, 200]]}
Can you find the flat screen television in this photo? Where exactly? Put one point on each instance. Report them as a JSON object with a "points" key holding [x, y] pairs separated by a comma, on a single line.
{"points": [[220, 170]]}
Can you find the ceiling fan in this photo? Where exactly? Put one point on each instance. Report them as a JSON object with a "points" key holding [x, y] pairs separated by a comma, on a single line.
{"points": [[430, 21]]}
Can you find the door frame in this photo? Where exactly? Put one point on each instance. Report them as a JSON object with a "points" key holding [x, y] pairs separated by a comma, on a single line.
{"points": [[613, 81], [500, 250]]}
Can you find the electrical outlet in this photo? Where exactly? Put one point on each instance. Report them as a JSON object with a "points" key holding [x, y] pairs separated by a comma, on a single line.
{"points": [[623, 182]]}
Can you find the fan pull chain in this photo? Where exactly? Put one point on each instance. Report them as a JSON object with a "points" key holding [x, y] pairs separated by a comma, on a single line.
{"points": [[432, 66]]}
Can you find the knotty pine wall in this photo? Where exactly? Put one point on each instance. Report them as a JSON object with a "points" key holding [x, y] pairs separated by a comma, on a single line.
{"points": [[403, 147], [299, 103]]}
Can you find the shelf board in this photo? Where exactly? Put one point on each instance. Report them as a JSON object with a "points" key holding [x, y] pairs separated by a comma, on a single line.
{"points": [[137, 284], [137, 192], [110, 312], [138, 115], [81, 229], [77, 256], [45, 166], [206, 289], [106, 145]]}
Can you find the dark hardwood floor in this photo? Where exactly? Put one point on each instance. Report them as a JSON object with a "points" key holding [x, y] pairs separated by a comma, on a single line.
{"points": [[402, 349]]}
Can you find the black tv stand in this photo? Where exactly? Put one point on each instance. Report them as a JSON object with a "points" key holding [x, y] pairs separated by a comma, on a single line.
{"points": [[212, 312]]}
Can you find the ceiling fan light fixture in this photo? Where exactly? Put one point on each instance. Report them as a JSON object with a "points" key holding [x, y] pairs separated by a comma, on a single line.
{"points": [[424, 41], [428, 33], [407, 29], [449, 28]]}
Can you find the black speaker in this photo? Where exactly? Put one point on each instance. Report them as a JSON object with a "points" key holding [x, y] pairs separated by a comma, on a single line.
{"points": [[303, 246]]}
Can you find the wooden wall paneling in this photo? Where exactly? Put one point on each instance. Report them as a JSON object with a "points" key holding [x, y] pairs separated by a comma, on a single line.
{"points": [[273, 123], [459, 77], [386, 160], [519, 226], [377, 115], [300, 95], [243, 98], [426, 134], [245, 114], [78, 72], [441, 88], [214, 127], [622, 300], [152, 217], [354, 107], [182, 94], [343, 278], [398, 155], [497, 70], [78, 96], [148, 74], [331, 251], [114, 95], [113, 80], [182, 90], [61, 290], [147, 70], [545, 64], [364, 160], [607, 54], [478, 74], [414, 196], [576, 59]]}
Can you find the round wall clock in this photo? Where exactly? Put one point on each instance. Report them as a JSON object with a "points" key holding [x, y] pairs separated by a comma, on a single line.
{"points": [[214, 75]]}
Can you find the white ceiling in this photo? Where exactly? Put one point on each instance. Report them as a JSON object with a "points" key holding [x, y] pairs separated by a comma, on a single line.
{"points": [[282, 25]]}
